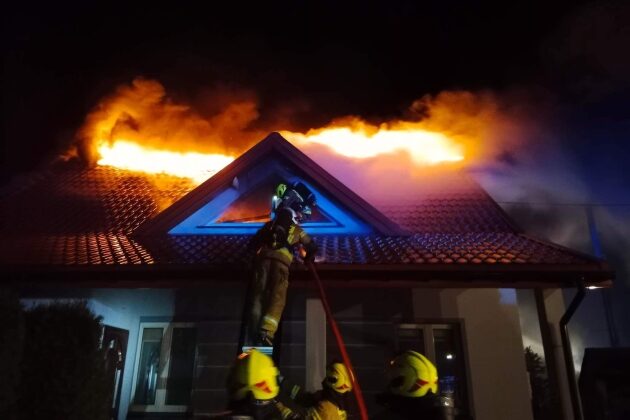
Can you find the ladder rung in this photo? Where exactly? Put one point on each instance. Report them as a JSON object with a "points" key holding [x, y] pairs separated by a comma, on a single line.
{"points": [[263, 349]]}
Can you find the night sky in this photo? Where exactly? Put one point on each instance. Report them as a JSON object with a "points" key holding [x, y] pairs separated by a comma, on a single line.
{"points": [[324, 60]]}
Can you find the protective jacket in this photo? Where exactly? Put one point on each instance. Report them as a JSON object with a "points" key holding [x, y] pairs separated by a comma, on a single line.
{"points": [[325, 404], [279, 238], [326, 410], [275, 244]]}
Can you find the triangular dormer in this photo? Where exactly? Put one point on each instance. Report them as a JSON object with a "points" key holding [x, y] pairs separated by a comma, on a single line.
{"points": [[237, 200]]}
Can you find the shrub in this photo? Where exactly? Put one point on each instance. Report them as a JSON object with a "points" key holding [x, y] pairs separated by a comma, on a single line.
{"points": [[63, 375]]}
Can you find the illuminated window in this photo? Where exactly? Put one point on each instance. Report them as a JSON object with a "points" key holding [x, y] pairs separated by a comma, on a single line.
{"points": [[255, 207], [245, 205]]}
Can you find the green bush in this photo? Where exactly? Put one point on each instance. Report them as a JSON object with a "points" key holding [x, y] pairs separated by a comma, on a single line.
{"points": [[11, 338], [62, 370]]}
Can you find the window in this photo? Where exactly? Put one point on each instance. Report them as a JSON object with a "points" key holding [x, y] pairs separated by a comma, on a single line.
{"points": [[164, 368], [442, 344], [243, 207]]}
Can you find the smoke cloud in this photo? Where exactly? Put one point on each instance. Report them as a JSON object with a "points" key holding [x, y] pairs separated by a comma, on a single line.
{"points": [[500, 132], [144, 113], [491, 128]]}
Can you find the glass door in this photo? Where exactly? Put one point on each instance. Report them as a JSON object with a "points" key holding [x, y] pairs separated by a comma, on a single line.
{"points": [[164, 370]]}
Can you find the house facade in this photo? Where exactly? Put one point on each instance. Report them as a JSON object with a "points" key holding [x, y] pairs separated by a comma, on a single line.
{"points": [[165, 264]]}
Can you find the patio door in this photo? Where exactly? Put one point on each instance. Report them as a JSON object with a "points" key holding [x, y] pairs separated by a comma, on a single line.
{"points": [[163, 373]]}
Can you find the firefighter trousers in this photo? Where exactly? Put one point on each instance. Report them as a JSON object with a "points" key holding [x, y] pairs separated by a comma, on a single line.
{"points": [[269, 295]]}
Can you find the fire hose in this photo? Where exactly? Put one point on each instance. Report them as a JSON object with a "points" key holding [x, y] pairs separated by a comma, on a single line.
{"points": [[356, 389]]}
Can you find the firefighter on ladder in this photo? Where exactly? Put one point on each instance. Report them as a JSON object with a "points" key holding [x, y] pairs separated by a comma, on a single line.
{"points": [[275, 244]]}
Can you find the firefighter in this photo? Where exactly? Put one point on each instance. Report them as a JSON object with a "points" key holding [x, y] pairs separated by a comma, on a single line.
{"points": [[329, 403], [252, 386], [275, 244], [412, 386]]}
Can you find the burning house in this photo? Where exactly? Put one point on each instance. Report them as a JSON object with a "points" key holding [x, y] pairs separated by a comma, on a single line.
{"points": [[163, 261]]}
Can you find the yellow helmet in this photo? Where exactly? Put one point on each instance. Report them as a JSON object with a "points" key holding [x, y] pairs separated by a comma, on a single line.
{"points": [[338, 378], [280, 190], [253, 372], [412, 375]]}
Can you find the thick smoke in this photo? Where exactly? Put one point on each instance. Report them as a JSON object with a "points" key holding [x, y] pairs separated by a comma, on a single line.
{"points": [[498, 132], [144, 113], [229, 120]]}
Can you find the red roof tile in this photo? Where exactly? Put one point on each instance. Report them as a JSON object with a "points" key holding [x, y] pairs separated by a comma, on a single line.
{"points": [[86, 217], [83, 216]]}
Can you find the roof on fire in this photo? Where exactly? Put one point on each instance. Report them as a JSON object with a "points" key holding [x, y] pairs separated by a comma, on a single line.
{"points": [[106, 225]]}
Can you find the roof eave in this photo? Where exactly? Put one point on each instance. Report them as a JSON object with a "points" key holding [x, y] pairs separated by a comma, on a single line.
{"points": [[335, 275]]}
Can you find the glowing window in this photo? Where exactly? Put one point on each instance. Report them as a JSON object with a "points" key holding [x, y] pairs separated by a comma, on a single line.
{"points": [[245, 206]]}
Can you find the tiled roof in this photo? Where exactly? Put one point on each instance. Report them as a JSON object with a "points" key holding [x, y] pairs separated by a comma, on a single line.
{"points": [[448, 214], [425, 248], [86, 218], [77, 216]]}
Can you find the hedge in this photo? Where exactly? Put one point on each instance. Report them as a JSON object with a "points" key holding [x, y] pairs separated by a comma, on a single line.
{"points": [[62, 369]]}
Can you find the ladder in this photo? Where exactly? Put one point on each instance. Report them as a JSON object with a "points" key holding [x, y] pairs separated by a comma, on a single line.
{"points": [[274, 351]]}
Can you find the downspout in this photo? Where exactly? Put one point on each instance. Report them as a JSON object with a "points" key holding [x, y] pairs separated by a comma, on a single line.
{"points": [[568, 354]]}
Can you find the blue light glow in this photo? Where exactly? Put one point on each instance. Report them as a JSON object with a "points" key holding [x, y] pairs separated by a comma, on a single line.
{"points": [[204, 220]]}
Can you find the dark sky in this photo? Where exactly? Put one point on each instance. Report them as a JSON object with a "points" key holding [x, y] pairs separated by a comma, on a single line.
{"points": [[367, 59]]}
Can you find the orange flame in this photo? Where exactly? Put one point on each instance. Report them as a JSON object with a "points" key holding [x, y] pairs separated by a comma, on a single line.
{"points": [[357, 139], [138, 127], [129, 155]]}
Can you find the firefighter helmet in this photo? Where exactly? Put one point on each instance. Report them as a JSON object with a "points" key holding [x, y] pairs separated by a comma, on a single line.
{"points": [[253, 372], [338, 378], [299, 198], [281, 189], [412, 375]]}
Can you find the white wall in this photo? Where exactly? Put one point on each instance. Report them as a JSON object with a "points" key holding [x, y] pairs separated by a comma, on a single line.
{"points": [[498, 380], [530, 326]]}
